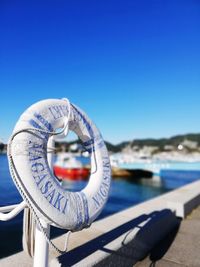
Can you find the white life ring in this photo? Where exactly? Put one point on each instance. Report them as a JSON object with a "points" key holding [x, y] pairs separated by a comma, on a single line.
{"points": [[34, 178]]}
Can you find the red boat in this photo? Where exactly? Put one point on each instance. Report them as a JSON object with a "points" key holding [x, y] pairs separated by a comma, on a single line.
{"points": [[71, 174], [69, 168]]}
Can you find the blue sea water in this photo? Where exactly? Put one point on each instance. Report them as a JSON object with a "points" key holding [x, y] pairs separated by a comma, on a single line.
{"points": [[123, 194]]}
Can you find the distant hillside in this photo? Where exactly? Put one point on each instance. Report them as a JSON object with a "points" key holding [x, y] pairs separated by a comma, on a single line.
{"points": [[111, 147], [174, 141], [3, 148], [191, 141]]}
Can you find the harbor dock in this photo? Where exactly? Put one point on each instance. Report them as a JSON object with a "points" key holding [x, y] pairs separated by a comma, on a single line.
{"points": [[164, 230]]}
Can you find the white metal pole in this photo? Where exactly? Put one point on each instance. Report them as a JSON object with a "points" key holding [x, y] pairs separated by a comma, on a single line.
{"points": [[41, 254]]}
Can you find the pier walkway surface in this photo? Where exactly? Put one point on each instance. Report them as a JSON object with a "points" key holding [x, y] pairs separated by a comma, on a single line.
{"points": [[161, 232], [180, 248]]}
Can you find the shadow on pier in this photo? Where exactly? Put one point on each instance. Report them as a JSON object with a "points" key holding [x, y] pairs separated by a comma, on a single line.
{"points": [[156, 232]]}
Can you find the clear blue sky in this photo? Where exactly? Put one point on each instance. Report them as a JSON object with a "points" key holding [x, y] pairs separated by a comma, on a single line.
{"points": [[133, 66]]}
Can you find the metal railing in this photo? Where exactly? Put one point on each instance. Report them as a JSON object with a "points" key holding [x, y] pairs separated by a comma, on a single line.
{"points": [[9, 212], [41, 252]]}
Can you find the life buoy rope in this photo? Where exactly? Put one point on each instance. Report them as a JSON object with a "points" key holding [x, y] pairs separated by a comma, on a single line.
{"points": [[85, 205]]}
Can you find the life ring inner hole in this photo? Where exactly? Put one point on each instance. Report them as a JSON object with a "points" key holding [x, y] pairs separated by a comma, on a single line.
{"points": [[72, 162]]}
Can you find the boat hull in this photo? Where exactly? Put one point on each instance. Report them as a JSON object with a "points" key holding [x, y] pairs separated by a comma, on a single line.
{"points": [[74, 174], [131, 173]]}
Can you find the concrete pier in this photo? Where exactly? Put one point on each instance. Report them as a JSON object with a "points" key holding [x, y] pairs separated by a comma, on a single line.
{"points": [[139, 236], [180, 248]]}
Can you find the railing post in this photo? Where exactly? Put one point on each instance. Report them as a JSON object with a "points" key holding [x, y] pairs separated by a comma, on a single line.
{"points": [[41, 252]]}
